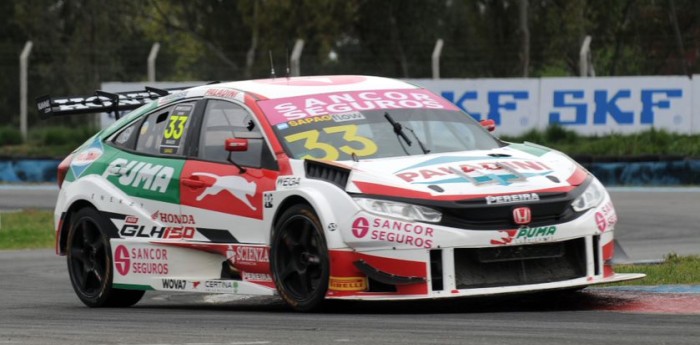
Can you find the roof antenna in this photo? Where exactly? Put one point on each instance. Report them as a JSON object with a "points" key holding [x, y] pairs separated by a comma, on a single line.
{"points": [[287, 56], [272, 66]]}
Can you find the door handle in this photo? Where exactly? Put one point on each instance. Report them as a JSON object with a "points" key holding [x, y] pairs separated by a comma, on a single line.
{"points": [[195, 182]]}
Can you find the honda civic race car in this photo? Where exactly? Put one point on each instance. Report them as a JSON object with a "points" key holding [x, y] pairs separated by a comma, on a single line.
{"points": [[314, 188]]}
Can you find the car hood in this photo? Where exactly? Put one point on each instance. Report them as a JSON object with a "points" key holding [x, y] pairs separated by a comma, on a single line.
{"points": [[513, 169]]}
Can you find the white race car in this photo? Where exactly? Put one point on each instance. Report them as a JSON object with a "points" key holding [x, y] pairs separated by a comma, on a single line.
{"points": [[314, 188]]}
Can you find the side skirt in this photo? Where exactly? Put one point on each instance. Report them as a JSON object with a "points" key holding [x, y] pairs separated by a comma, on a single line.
{"points": [[215, 286]]}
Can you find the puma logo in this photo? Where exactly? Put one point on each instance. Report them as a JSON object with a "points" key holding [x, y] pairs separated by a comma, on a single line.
{"points": [[235, 185]]}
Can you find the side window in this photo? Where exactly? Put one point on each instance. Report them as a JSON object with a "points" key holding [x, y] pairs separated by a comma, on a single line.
{"points": [[127, 136], [223, 120], [165, 131]]}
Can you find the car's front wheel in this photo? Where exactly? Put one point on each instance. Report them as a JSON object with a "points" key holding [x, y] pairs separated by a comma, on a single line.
{"points": [[90, 263], [299, 258]]}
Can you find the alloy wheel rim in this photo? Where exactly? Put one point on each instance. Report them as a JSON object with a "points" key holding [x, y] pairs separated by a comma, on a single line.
{"points": [[88, 258], [300, 266]]}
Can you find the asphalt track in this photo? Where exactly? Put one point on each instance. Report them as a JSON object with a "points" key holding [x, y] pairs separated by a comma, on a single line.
{"points": [[38, 306]]}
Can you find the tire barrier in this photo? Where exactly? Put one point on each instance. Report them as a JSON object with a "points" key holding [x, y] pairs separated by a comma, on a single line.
{"points": [[659, 172], [18, 170]]}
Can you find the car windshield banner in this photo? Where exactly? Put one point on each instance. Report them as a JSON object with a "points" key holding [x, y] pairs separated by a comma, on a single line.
{"points": [[294, 108]]}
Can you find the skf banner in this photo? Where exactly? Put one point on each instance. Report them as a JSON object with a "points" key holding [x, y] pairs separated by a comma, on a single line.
{"points": [[621, 105], [588, 106], [511, 103]]}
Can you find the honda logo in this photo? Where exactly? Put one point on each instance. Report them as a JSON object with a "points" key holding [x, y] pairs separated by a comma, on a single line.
{"points": [[522, 215]]}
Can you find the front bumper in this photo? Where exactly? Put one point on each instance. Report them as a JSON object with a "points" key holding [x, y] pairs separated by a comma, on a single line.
{"points": [[403, 260], [570, 284]]}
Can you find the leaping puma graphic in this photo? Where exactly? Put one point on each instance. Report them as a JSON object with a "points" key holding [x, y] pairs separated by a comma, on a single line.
{"points": [[235, 185]]}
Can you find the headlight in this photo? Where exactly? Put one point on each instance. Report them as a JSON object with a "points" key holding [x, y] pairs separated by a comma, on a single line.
{"points": [[591, 197], [399, 210]]}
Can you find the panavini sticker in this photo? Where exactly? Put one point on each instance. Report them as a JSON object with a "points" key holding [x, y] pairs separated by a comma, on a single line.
{"points": [[86, 157]]}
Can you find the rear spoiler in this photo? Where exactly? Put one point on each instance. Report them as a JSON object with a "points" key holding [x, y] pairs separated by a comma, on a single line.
{"points": [[101, 102]]}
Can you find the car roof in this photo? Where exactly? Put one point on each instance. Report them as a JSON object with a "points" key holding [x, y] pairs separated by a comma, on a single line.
{"points": [[302, 86]]}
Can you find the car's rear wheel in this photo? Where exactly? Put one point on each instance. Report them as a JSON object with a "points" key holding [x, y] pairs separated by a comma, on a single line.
{"points": [[299, 258], [89, 260]]}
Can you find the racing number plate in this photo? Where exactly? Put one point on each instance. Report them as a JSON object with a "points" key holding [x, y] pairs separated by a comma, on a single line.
{"points": [[175, 128]]}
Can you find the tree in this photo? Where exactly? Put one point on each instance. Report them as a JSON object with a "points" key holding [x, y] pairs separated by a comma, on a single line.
{"points": [[9, 65]]}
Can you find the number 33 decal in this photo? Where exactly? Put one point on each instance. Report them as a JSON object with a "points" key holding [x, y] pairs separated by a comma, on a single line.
{"points": [[367, 148], [176, 127]]}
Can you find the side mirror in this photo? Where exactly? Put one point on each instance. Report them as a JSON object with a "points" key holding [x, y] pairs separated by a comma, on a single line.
{"points": [[489, 124], [236, 145]]}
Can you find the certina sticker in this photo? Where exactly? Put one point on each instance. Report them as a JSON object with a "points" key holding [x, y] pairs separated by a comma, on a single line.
{"points": [[153, 177], [86, 157], [294, 108], [220, 286], [150, 261], [511, 198], [395, 231], [525, 235], [498, 172]]}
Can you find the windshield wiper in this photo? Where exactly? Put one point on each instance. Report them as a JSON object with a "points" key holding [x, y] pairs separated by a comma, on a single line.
{"points": [[420, 143], [398, 129]]}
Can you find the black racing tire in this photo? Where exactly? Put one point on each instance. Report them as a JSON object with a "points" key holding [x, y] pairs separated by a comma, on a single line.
{"points": [[89, 258], [299, 258]]}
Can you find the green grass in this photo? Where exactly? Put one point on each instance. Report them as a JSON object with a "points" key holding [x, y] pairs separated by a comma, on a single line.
{"points": [[674, 270], [27, 229], [29, 150], [651, 142], [54, 141]]}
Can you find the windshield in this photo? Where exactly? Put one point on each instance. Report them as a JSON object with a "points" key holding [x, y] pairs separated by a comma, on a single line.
{"points": [[369, 134]]}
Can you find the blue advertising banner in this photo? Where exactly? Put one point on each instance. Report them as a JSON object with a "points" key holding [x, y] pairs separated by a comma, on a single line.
{"points": [[588, 106]]}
